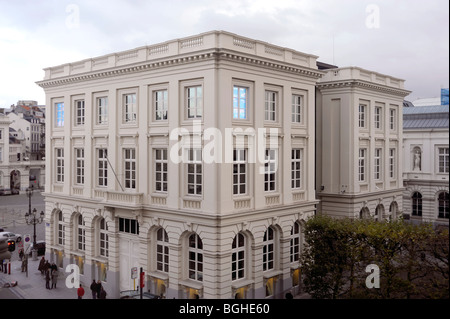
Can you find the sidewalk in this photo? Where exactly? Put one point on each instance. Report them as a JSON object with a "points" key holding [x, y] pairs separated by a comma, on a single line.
{"points": [[33, 286]]}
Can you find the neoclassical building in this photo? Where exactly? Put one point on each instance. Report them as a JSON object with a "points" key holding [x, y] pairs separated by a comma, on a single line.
{"points": [[359, 143], [426, 163], [193, 159]]}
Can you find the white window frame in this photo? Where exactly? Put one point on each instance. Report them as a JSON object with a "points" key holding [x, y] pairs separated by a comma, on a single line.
{"points": [[443, 160], [297, 109], [79, 166], [270, 169], [378, 160], [362, 164], [271, 105], [378, 121], [392, 119], [162, 250], [238, 257], [61, 229], [80, 112], [194, 168], [240, 169], [81, 233], [194, 102], [129, 108], [297, 168], [269, 249], [295, 243], [101, 103], [161, 106], [102, 167], [130, 168], [195, 257], [103, 236], [392, 163], [240, 104], [362, 115], [59, 157], [161, 170]]}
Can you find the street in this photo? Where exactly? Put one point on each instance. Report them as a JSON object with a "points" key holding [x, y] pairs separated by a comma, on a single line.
{"points": [[12, 215]]}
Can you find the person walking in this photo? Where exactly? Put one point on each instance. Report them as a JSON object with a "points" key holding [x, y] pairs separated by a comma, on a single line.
{"points": [[94, 289], [41, 265], [47, 279], [102, 293], [55, 274], [98, 288], [80, 292], [24, 264]]}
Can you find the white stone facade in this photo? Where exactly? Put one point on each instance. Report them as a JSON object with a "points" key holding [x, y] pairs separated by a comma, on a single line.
{"points": [[359, 143], [220, 228]]}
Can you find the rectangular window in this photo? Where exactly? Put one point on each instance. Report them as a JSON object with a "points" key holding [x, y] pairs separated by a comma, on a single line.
{"points": [[270, 167], [161, 170], [79, 109], [161, 105], [362, 116], [362, 165], [59, 114], [296, 168], [130, 226], [194, 96], [239, 172], [129, 108], [270, 105], [240, 102], [296, 108], [102, 167], [392, 119], [59, 165], [102, 110], [392, 162], [130, 168], [378, 117], [377, 164], [444, 160], [79, 166], [194, 172]]}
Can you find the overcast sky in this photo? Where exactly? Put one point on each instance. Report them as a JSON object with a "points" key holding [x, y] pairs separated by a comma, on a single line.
{"points": [[408, 39]]}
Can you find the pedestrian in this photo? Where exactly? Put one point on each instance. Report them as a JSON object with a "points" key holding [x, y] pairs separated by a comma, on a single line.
{"points": [[55, 274], [46, 267], [102, 293], [94, 289], [24, 264], [80, 292], [41, 265], [21, 254], [47, 279], [98, 288]]}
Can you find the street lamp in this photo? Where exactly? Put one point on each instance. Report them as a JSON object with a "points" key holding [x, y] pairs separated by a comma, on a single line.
{"points": [[31, 219]]}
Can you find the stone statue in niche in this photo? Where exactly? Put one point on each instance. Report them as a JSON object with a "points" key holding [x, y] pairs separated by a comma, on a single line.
{"points": [[417, 160]]}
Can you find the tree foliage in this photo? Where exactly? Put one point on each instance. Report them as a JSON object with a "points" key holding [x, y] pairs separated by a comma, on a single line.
{"points": [[412, 259]]}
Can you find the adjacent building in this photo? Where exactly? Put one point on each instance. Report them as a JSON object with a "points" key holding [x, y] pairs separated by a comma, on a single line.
{"points": [[426, 163], [359, 143]]}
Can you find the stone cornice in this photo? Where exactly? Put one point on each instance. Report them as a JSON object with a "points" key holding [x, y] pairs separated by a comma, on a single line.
{"points": [[354, 83], [177, 61]]}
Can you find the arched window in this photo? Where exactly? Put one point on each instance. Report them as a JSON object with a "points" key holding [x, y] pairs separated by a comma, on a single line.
{"points": [[238, 257], [393, 208], [162, 250], [443, 205], [104, 238], [364, 213], [81, 233], [379, 212], [269, 249], [195, 258], [295, 242], [416, 204], [61, 229]]}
